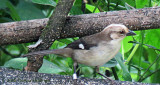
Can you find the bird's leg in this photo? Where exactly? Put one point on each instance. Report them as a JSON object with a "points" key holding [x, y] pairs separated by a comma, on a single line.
{"points": [[97, 70], [77, 70], [94, 72], [74, 74]]}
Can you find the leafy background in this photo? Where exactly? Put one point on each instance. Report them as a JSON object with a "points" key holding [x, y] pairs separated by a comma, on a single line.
{"points": [[138, 59]]}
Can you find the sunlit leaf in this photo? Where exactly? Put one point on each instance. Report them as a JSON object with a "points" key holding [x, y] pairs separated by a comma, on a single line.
{"points": [[151, 37], [92, 8], [66, 41], [127, 46], [141, 3]]}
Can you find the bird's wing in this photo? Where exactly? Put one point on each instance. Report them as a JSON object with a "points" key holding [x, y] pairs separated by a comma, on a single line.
{"points": [[82, 43]]}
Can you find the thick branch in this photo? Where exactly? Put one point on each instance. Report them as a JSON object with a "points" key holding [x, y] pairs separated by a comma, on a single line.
{"points": [[56, 23], [50, 33], [15, 77], [80, 25]]}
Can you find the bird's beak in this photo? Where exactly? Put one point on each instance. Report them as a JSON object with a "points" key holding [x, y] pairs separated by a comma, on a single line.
{"points": [[130, 33]]}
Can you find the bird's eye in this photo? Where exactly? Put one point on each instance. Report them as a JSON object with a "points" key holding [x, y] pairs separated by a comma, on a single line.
{"points": [[121, 32]]}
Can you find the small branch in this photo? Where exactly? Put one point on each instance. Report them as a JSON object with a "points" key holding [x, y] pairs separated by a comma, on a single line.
{"points": [[149, 46], [8, 53]]}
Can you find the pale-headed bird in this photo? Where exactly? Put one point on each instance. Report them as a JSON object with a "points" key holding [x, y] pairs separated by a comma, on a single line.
{"points": [[93, 50]]}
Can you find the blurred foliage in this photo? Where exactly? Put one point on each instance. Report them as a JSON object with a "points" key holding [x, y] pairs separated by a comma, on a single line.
{"points": [[137, 60]]}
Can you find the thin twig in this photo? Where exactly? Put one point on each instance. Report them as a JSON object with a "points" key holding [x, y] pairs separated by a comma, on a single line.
{"points": [[140, 79], [8, 53], [145, 45], [150, 74]]}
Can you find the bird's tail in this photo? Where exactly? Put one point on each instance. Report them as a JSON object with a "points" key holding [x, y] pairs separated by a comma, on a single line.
{"points": [[66, 52]]}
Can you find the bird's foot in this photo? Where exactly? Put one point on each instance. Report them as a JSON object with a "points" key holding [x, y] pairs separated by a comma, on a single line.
{"points": [[108, 80], [75, 82], [75, 79]]}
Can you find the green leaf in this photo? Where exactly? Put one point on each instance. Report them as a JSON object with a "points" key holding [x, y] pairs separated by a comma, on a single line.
{"points": [[3, 4], [136, 60], [47, 67], [5, 19], [130, 2], [111, 63], [86, 71], [151, 37], [17, 63], [13, 49], [13, 11], [131, 54], [66, 41], [91, 8], [28, 11], [75, 10], [126, 75], [125, 45], [151, 55], [58, 45], [141, 3], [45, 2], [64, 64]]}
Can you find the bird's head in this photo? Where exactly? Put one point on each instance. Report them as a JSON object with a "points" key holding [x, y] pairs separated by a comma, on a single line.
{"points": [[118, 31]]}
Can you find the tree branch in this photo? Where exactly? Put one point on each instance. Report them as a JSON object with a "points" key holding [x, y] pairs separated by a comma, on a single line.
{"points": [[50, 33], [15, 77], [80, 25]]}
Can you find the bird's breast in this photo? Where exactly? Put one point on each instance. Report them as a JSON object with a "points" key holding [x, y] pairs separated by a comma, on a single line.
{"points": [[96, 56]]}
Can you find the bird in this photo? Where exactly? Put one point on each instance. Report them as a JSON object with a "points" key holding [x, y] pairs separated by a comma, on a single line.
{"points": [[93, 50]]}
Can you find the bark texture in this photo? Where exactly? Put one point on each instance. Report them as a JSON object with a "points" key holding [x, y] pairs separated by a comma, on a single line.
{"points": [[50, 33], [80, 25], [15, 77]]}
